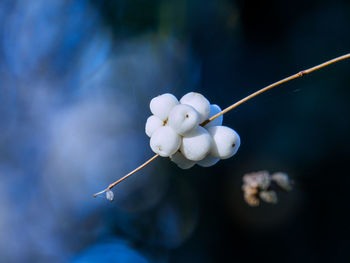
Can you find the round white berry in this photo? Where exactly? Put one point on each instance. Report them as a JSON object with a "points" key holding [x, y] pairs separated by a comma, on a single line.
{"points": [[225, 141], [209, 160], [165, 141], [162, 105], [214, 109], [199, 102], [181, 161], [196, 144], [152, 123], [183, 118]]}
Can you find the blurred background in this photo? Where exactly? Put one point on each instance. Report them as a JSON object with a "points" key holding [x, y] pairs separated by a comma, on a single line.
{"points": [[76, 78]]}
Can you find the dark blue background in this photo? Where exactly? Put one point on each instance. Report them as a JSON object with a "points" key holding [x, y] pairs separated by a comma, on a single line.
{"points": [[76, 78]]}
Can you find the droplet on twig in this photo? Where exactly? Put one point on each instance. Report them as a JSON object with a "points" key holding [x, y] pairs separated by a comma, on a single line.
{"points": [[110, 195]]}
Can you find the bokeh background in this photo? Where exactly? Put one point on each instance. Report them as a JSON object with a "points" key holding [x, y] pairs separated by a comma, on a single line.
{"points": [[76, 78]]}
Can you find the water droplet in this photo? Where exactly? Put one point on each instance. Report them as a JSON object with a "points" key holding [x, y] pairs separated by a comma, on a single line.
{"points": [[110, 195]]}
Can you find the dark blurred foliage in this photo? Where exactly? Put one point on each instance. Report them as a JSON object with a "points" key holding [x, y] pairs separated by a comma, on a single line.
{"points": [[76, 78]]}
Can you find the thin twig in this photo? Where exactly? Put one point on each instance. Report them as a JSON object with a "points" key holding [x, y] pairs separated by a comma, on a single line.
{"points": [[126, 176], [295, 76]]}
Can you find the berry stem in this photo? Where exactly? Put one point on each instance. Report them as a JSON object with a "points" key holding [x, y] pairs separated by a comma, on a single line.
{"points": [[295, 76]]}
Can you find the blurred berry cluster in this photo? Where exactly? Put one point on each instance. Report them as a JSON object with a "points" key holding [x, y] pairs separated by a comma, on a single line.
{"points": [[263, 186]]}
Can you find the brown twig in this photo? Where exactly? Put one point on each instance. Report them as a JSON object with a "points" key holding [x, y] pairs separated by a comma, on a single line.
{"points": [[126, 176], [295, 76]]}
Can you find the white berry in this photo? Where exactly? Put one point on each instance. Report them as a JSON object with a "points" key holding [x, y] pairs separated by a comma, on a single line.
{"points": [[183, 118], [162, 105], [181, 161], [196, 144], [214, 109], [152, 123], [225, 141], [209, 160], [165, 141], [199, 102]]}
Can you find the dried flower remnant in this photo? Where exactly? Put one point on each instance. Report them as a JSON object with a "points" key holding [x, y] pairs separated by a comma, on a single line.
{"points": [[268, 196], [282, 180], [263, 186]]}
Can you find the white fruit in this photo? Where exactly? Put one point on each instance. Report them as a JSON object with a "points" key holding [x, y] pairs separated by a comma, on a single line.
{"points": [[183, 118], [209, 160], [225, 141], [152, 123], [165, 141], [196, 144], [162, 105], [199, 102], [181, 161], [214, 109]]}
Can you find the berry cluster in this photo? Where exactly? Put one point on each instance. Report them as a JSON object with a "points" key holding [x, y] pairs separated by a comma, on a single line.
{"points": [[176, 131]]}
